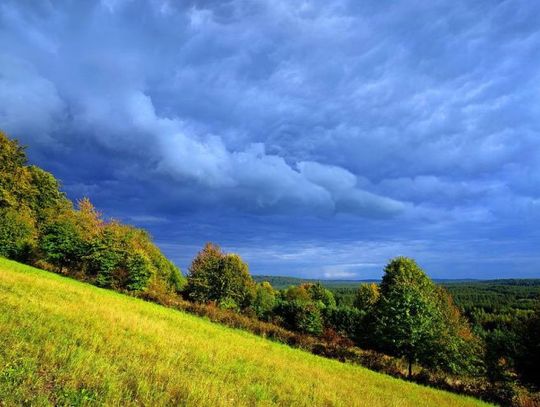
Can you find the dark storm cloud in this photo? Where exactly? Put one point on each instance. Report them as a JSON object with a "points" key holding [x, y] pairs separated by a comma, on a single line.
{"points": [[317, 130]]}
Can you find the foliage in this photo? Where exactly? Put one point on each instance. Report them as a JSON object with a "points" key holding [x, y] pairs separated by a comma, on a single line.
{"points": [[220, 277], [14, 180], [347, 321], [206, 264], [322, 296], [39, 225], [458, 350], [17, 233], [265, 300], [366, 296], [62, 243], [139, 271], [528, 357], [45, 197], [416, 321], [300, 316]]}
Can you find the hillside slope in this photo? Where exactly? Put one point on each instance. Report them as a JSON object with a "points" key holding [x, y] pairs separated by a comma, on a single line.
{"points": [[65, 342]]}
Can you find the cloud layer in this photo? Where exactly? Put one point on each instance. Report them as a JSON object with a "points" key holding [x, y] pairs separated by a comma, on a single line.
{"points": [[270, 125]]}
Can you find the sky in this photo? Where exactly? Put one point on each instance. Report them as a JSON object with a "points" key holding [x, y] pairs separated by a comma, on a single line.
{"points": [[314, 138]]}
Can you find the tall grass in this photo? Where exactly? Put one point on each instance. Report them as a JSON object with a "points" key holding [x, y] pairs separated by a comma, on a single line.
{"points": [[63, 342]]}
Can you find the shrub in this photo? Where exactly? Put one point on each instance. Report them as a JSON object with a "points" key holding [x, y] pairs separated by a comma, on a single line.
{"points": [[344, 320], [16, 234], [300, 316]]}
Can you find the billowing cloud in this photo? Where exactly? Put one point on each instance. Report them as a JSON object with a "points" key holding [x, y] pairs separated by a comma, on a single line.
{"points": [[276, 124], [29, 103]]}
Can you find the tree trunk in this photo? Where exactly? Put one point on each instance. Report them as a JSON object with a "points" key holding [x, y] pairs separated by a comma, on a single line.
{"points": [[410, 367]]}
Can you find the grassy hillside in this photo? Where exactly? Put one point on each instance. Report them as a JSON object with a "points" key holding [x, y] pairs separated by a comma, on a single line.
{"points": [[65, 342]]}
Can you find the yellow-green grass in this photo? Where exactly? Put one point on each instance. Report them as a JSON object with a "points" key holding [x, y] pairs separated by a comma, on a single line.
{"points": [[63, 342]]}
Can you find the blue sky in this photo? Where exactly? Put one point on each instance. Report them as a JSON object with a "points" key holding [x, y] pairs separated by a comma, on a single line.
{"points": [[314, 138]]}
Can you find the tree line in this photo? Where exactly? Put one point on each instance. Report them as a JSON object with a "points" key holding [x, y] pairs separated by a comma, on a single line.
{"points": [[40, 226], [407, 315]]}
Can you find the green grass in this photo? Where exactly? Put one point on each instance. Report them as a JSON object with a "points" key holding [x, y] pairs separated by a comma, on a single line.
{"points": [[63, 342]]}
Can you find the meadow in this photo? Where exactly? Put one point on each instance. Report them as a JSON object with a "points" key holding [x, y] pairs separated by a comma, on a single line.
{"points": [[64, 342]]}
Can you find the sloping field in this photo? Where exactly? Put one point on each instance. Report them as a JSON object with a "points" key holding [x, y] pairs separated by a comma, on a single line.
{"points": [[63, 342]]}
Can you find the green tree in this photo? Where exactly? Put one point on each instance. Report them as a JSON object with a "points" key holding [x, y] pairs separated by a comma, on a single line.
{"points": [[45, 198], [199, 280], [233, 282], [14, 180], [62, 244], [219, 277], [412, 320], [37, 222], [300, 316], [457, 349], [366, 297], [139, 271], [265, 300], [345, 320], [297, 293], [320, 295], [17, 233]]}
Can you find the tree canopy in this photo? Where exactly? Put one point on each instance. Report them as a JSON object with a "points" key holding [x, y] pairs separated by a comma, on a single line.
{"points": [[40, 226], [220, 277], [417, 320]]}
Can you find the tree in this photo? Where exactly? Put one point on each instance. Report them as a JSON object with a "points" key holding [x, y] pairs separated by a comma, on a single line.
{"points": [[38, 222], [300, 316], [67, 236], [320, 295], [344, 320], [528, 357], [219, 277], [457, 349], [414, 320], [62, 243], [139, 271], [298, 293], [14, 181], [17, 233], [234, 284], [366, 297], [265, 300], [45, 198]]}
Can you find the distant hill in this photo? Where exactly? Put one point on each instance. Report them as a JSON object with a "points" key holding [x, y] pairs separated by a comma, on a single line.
{"points": [[281, 282], [69, 343]]}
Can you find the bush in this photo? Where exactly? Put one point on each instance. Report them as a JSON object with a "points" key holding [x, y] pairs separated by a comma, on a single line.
{"points": [[300, 316], [344, 320], [16, 234]]}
